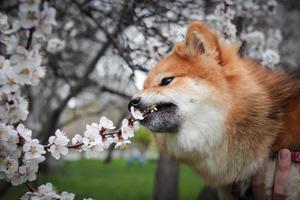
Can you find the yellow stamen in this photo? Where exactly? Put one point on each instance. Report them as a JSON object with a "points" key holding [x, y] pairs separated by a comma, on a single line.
{"points": [[24, 72]]}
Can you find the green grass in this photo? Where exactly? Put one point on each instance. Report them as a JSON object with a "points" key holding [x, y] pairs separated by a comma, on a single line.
{"points": [[116, 181]]}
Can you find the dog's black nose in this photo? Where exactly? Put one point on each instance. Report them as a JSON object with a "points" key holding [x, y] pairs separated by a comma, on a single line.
{"points": [[134, 102]]}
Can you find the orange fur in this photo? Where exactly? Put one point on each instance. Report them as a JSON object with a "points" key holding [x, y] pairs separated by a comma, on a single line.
{"points": [[263, 105]]}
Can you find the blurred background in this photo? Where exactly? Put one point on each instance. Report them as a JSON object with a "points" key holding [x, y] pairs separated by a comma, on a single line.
{"points": [[106, 49]]}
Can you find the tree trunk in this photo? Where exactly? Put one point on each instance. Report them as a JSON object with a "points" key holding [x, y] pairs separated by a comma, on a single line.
{"points": [[109, 155], [208, 193], [4, 186], [166, 179]]}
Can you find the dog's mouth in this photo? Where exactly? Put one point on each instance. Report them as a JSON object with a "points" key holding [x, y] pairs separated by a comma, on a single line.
{"points": [[164, 118], [163, 106]]}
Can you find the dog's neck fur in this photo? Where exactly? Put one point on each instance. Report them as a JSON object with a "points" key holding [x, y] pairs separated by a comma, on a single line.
{"points": [[233, 145]]}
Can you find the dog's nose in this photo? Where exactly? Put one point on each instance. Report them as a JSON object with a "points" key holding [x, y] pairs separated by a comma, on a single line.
{"points": [[134, 102]]}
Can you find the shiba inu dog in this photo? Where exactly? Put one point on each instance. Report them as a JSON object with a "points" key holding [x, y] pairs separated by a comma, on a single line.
{"points": [[220, 113]]}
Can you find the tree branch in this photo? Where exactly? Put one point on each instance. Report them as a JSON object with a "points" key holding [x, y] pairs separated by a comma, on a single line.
{"points": [[29, 41], [111, 37], [51, 124]]}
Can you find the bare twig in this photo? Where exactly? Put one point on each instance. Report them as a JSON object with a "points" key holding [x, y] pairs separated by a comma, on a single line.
{"points": [[29, 41], [30, 187]]}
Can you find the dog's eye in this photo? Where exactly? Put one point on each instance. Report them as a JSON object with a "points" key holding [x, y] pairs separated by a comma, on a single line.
{"points": [[166, 81]]}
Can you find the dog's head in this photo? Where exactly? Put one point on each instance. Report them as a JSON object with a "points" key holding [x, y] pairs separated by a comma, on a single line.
{"points": [[188, 86]]}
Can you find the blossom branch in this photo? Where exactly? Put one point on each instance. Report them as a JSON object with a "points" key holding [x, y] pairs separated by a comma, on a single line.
{"points": [[29, 41], [30, 187], [97, 137], [103, 132]]}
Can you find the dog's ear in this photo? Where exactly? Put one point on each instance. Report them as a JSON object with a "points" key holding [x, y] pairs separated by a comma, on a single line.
{"points": [[200, 39]]}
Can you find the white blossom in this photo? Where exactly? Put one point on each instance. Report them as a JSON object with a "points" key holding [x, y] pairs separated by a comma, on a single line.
{"points": [[24, 132], [254, 38], [77, 139], [14, 107], [270, 58], [20, 111], [24, 56], [93, 150], [58, 144], [47, 21], [92, 141], [29, 16], [45, 192], [18, 177], [259, 48], [15, 154], [29, 196], [31, 170], [106, 142], [274, 38], [106, 123], [16, 26], [55, 45], [91, 134], [3, 22], [4, 63], [9, 138], [137, 114], [221, 20], [27, 65], [8, 78], [67, 196], [121, 143], [10, 41], [247, 8], [34, 150], [9, 166], [127, 131]]}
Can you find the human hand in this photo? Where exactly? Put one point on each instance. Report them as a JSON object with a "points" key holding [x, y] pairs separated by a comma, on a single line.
{"points": [[281, 176]]}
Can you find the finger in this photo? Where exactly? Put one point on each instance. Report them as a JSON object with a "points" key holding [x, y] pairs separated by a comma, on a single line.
{"points": [[282, 174], [258, 186]]}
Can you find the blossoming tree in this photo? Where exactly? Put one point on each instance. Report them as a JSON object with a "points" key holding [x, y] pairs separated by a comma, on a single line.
{"points": [[22, 66]]}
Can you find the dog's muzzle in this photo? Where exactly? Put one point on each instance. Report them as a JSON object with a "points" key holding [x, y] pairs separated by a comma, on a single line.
{"points": [[164, 120], [134, 103]]}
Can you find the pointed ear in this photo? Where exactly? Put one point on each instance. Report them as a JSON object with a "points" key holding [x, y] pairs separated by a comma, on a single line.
{"points": [[200, 39]]}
